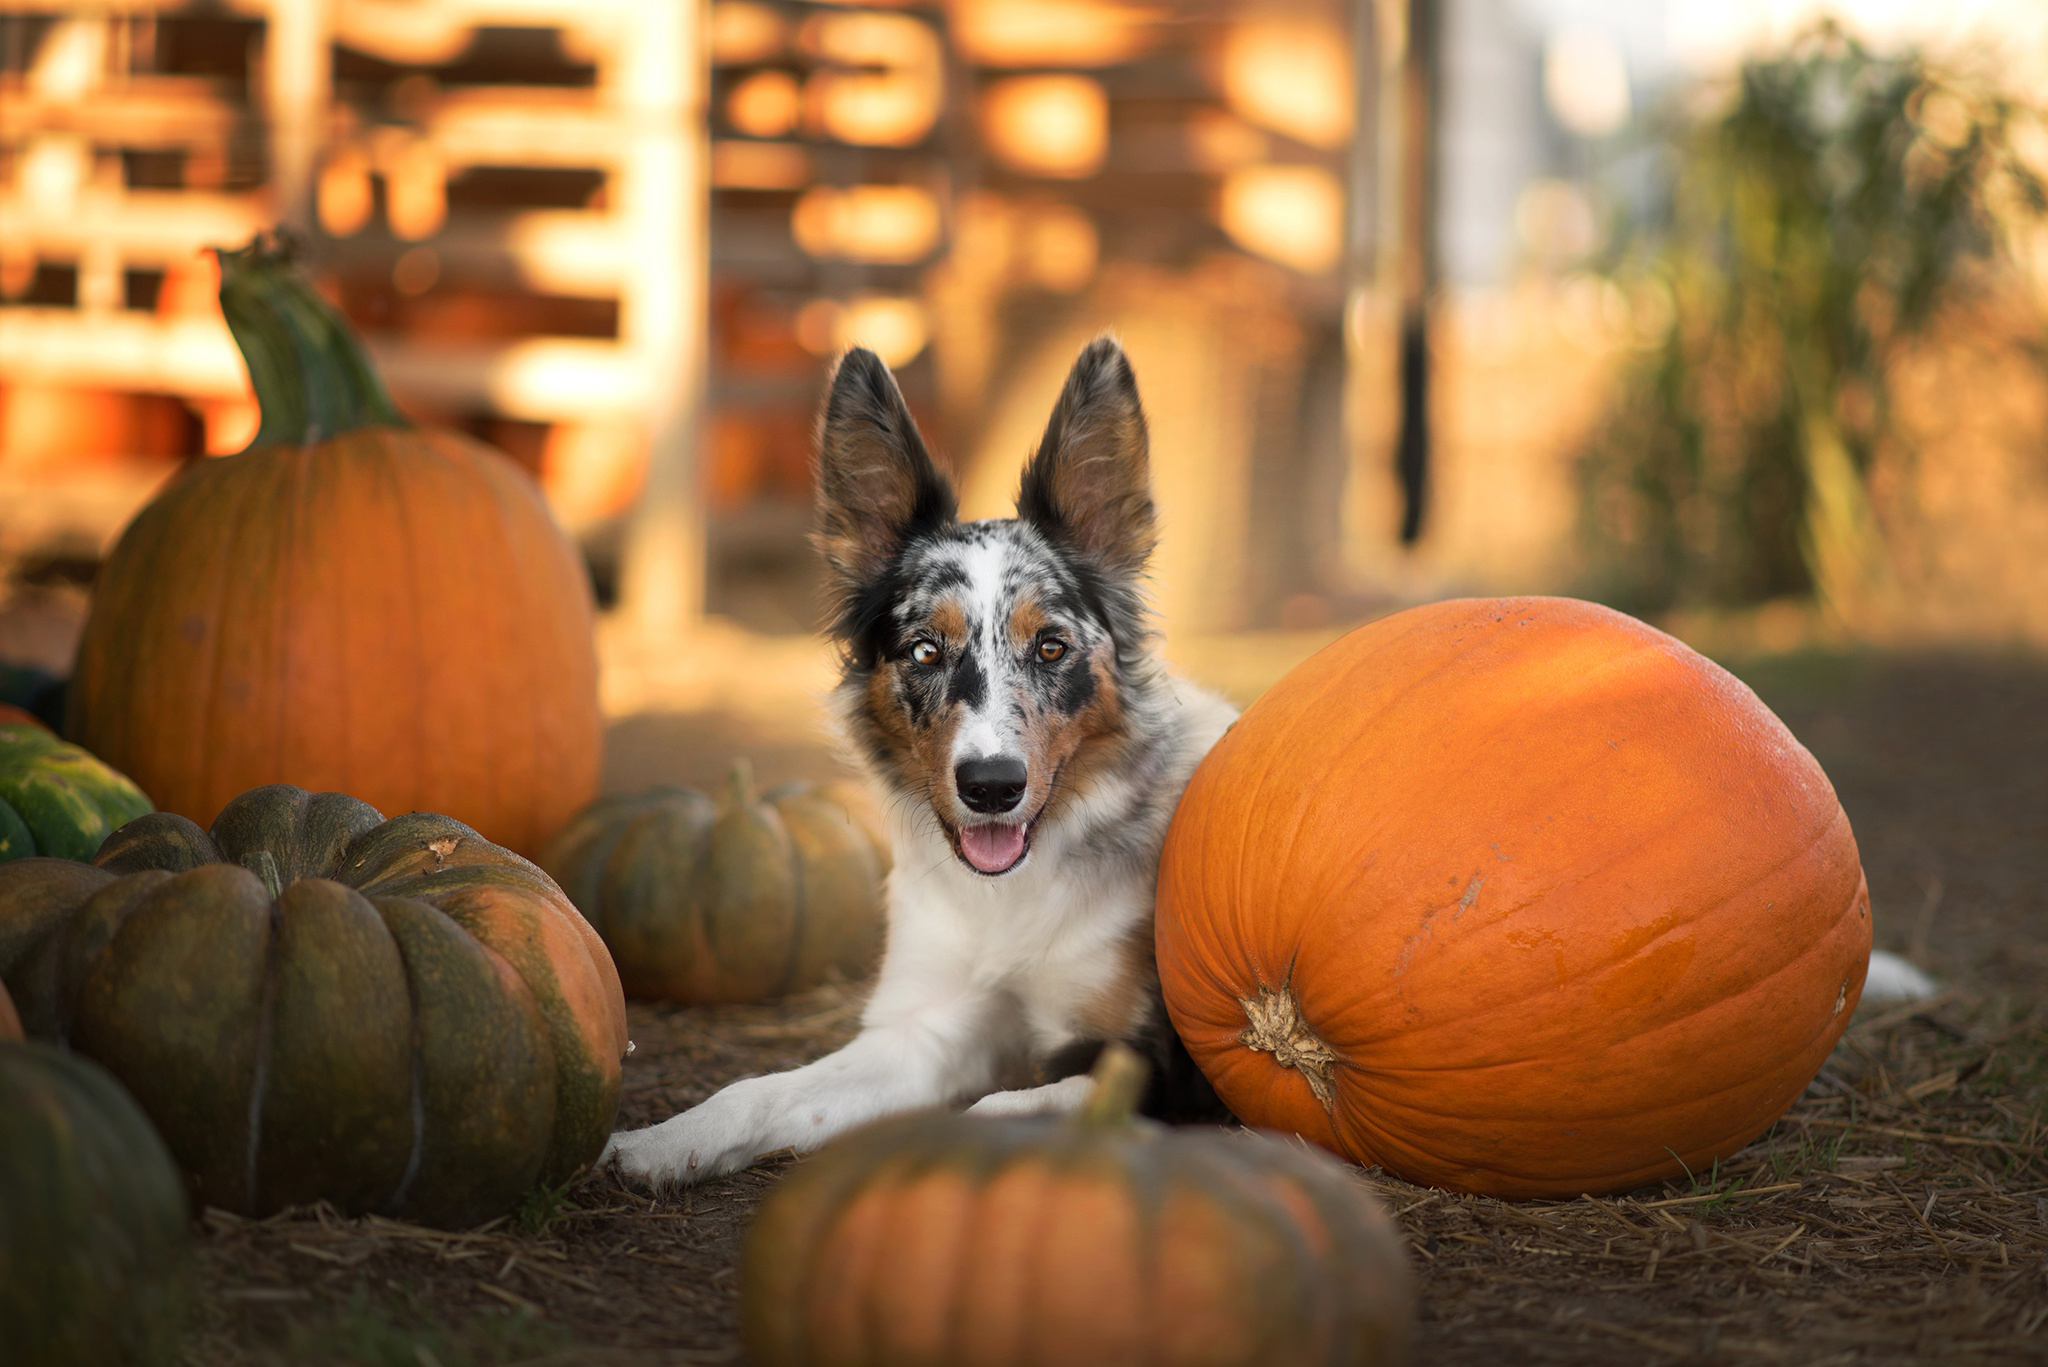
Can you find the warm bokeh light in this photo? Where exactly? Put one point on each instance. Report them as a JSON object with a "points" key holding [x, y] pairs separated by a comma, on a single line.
{"points": [[879, 224], [744, 32], [344, 197], [1218, 141], [1039, 33], [765, 105], [53, 171], [888, 83], [759, 166], [415, 189], [71, 61], [1585, 82], [1059, 247], [416, 271], [1054, 126], [1292, 76], [591, 471], [1290, 214], [891, 326]]}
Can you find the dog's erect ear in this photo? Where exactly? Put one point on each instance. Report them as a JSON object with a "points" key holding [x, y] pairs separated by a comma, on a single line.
{"points": [[1089, 486], [877, 486]]}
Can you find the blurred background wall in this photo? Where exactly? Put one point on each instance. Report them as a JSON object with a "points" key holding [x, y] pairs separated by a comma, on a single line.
{"points": [[1368, 259]]}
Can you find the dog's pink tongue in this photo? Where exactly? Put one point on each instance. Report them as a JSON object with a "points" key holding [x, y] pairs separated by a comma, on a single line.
{"points": [[992, 848]]}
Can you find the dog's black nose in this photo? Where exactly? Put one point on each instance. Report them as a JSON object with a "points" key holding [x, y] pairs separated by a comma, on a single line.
{"points": [[991, 785]]}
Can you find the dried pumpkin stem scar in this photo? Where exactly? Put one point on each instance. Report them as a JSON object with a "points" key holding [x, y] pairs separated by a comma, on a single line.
{"points": [[1277, 1028]]}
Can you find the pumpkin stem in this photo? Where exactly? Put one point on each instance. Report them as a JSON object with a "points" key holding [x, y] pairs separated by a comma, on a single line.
{"points": [[1277, 1028], [312, 378], [739, 784], [1119, 1076]]}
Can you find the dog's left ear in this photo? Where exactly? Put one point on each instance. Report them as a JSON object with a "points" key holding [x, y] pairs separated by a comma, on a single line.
{"points": [[1089, 484]]}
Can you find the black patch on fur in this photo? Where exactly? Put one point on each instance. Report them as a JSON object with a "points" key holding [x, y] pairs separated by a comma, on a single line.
{"points": [[1176, 1092], [1077, 689], [969, 685]]}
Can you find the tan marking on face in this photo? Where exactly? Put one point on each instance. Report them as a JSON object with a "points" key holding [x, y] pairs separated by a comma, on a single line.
{"points": [[1027, 619], [1079, 747], [949, 620], [892, 723], [1120, 1009]]}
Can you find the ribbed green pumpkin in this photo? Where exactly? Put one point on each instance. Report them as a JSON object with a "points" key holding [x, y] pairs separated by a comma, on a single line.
{"points": [[55, 798], [948, 1240], [93, 1237], [739, 900], [313, 1002]]}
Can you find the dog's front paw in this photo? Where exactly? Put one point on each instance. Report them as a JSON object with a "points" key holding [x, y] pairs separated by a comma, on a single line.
{"points": [[676, 1153], [1057, 1098]]}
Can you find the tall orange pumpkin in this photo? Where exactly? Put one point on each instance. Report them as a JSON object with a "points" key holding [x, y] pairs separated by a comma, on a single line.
{"points": [[351, 604], [1516, 896]]}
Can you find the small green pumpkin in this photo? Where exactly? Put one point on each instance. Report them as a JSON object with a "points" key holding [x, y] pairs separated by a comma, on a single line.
{"points": [[93, 1238], [315, 1003], [738, 900], [55, 798]]}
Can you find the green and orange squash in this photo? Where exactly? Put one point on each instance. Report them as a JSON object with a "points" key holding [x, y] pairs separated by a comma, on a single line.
{"points": [[1041, 1241], [312, 1002], [56, 799], [1516, 896], [94, 1246], [350, 605], [741, 899]]}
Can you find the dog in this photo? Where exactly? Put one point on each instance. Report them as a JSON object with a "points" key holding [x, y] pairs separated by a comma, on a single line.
{"points": [[1001, 692]]}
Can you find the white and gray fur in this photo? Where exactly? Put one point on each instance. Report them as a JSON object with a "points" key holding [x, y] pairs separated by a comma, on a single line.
{"points": [[1018, 640]]}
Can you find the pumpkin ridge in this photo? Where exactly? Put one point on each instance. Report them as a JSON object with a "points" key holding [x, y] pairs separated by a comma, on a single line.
{"points": [[409, 631], [205, 680], [418, 1100], [1633, 1106], [266, 1029]]}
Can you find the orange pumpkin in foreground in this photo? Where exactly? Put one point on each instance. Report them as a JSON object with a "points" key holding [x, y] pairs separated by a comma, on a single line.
{"points": [[1045, 1241], [1514, 896], [351, 605]]}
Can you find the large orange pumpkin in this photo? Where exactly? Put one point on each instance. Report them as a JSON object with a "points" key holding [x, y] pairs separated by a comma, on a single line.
{"points": [[351, 605], [1516, 896]]}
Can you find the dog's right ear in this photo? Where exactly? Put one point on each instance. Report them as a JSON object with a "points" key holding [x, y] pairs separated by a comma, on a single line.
{"points": [[877, 486]]}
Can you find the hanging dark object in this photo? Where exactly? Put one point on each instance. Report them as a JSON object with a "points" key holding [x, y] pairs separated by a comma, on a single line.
{"points": [[1417, 260]]}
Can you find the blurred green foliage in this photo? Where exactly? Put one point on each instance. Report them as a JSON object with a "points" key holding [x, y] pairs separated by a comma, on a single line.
{"points": [[1833, 208]]}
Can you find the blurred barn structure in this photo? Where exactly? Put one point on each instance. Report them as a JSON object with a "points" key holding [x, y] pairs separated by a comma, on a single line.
{"points": [[621, 238], [513, 200]]}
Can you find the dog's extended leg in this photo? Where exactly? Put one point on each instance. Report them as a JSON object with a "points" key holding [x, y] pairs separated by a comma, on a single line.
{"points": [[926, 1057]]}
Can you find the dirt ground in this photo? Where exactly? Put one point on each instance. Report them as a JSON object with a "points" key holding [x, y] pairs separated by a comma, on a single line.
{"points": [[1899, 1213]]}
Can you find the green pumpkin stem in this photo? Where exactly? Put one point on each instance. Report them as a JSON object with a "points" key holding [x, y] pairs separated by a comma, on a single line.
{"points": [[312, 378], [1119, 1077], [739, 784]]}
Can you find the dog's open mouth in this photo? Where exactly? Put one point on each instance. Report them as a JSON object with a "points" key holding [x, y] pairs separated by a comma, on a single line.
{"points": [[994, 848]]}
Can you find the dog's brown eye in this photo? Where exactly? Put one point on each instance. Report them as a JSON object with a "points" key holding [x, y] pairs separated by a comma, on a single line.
{"points": [[1050, 650], [924, 653]]}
